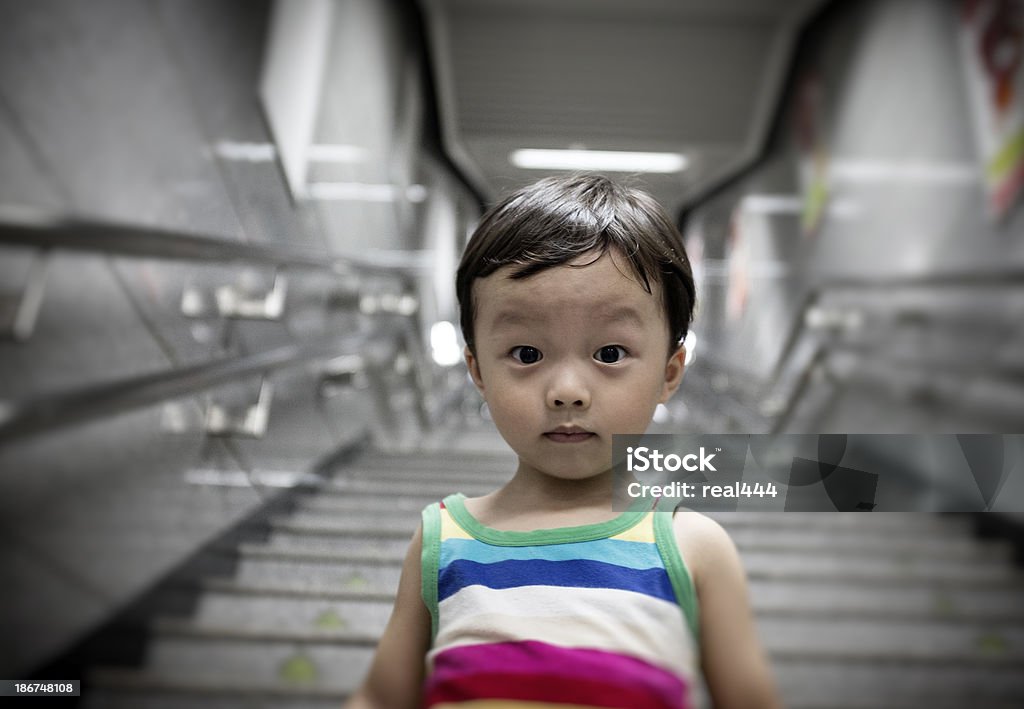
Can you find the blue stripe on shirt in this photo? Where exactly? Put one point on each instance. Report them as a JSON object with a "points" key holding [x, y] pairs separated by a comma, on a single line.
{"points": [[633, 555], [581, 573]]}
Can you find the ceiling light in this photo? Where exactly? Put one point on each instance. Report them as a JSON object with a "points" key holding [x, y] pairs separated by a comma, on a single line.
{"points": [[610, 160]]}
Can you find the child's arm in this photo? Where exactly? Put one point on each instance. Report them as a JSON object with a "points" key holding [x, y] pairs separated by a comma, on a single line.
{"points": [[395, 678], [735, 667]]}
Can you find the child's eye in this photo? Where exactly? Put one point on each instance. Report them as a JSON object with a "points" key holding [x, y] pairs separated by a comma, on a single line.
{"points": [[526, 354], [610, 354]]}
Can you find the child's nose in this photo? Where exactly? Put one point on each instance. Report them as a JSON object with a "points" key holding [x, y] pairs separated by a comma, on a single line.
{"points": [[568, 388]]}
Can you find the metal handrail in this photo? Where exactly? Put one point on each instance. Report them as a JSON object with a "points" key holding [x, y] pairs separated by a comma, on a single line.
{"points": [[27, 228], [1013, 278], [953, 280], [93, 401]]}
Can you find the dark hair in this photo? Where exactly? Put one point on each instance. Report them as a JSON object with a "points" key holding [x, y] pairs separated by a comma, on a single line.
{"points": [[560, 218]]}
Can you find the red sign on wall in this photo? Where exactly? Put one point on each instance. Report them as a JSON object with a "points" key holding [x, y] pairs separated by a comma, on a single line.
{"points": [[992, 39]]}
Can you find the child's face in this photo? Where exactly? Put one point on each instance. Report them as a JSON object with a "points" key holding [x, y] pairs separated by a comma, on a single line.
{"points": [[569, 356]]}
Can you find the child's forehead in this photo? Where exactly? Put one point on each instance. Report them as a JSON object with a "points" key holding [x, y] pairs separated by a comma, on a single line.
{"points": [[602, 285]]}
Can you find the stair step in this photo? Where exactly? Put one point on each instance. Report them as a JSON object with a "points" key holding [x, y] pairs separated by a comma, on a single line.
{"points": [[358, 521], [186, 697], [432, 459], [355, 576], [892, 640], [314, 663], [496, 465], [262, 633], [848, 541], [446, 473], [412, 497], [114, 688], [386, 548], [296, 589], [342, 504], [884, 566], [939, 579], [888, 523], [922, 600], [325, 508], [325, 525], [354, 555], [275, 612], [829, 684], [385, 487]]}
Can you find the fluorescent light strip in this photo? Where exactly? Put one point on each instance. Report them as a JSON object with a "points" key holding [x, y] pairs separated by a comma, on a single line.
{"points": [[610, 160]]}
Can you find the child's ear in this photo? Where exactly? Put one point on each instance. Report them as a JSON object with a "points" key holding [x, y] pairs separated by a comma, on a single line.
{"points": [[673, 373], [474, 368]]}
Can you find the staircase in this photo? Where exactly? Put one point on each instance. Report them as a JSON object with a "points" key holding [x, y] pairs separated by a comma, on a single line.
{"points": [[856, 610], [297, 625]]}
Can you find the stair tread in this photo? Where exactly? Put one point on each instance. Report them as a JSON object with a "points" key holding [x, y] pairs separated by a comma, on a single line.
{"points": [[260, 659], [292, 589], [148, 679], [260, 633]]}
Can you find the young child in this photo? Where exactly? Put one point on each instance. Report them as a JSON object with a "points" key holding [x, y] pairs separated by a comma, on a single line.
{"points": [[575, 295]]}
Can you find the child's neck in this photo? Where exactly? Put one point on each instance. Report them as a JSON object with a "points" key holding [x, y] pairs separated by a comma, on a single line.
{"points": [[535, 500]]}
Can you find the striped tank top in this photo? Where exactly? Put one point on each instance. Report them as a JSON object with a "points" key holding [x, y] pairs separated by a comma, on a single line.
{"points": [[598, 615]]}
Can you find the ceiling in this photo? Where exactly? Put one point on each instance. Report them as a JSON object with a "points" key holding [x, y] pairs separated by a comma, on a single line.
{"points": [[700, 77]]}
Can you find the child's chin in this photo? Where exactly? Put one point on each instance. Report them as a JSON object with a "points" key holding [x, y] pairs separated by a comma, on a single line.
{"points": [[574, 473]]}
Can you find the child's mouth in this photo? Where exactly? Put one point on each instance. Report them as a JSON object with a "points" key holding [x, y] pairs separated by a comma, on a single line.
{"points": [[568, 437]]}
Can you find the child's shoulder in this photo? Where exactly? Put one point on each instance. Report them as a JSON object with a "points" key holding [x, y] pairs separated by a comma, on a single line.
{"points": [[703, 543]]}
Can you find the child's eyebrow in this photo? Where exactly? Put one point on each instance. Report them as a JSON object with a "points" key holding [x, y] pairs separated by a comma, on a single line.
{"points": [[622, 314], [512, 317]]}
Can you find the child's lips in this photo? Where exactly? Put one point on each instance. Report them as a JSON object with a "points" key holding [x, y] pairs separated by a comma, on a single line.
{"points": [[569, 435]]}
